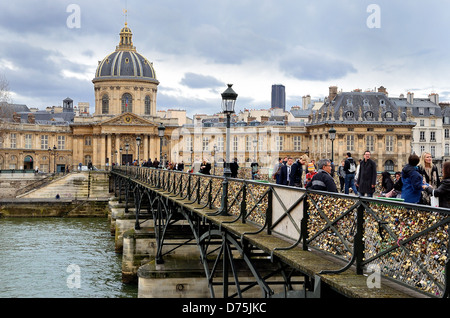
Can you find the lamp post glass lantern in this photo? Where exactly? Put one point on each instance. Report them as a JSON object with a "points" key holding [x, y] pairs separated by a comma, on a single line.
{"points": [[161, 130], [332, 136], [138, 143], [229, 97]]}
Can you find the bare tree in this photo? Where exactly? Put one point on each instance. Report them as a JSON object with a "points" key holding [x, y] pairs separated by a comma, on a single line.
{"points": [[5, 95]]}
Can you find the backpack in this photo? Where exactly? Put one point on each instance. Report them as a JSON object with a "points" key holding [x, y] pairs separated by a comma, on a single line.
{"points": [[352, 167]]}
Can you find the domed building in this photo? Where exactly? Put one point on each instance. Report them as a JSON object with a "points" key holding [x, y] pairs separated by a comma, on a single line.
{"points": [[125, 81], [124, 126]]}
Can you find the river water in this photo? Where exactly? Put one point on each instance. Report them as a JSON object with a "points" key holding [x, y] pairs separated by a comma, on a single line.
{"points": [[60, 258]]}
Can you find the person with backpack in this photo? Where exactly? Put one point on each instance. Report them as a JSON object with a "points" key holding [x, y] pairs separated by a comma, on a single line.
{"points": [[350, 169]]}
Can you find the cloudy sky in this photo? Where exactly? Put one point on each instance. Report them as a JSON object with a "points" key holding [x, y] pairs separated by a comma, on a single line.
{"points": [[48, 52]]}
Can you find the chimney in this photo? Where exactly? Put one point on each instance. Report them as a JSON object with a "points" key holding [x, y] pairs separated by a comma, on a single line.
{"points": [[16, 118], [382, 89], [410, 98], [434, 98], [31, 119], [333, 92]]}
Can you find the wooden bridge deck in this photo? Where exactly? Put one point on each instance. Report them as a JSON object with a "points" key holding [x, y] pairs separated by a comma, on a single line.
{"points": [[310, 263]]}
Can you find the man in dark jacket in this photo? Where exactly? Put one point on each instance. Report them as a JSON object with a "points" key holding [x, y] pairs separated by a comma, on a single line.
{"points": [[234, 167], [367, 177], [285, 172], [322, 180], [296, 172]]}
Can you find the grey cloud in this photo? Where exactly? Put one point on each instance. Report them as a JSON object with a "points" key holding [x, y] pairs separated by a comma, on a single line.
{"points": [[193, 80], [305, 64]]}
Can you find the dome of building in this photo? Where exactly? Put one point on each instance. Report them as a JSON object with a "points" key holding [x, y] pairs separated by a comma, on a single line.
{"points": [[125, 63]]}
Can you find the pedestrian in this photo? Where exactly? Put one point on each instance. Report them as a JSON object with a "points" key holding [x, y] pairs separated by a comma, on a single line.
{"points": [[350, 169], [285, 172], [254, 168], [181, 166], [311, 172], [276, 171], [341, 174], [234, 167], [297, 171], [322, 180], [412, 180], [386, 183], [205, 168], [430, 175], [443, 191], [367, 177]]}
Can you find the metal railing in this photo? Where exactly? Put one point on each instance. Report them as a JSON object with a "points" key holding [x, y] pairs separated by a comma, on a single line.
{"points": [[408, 243]]}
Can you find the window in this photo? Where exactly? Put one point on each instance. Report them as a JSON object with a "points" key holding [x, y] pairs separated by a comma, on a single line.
{"points": [[279, 143], [422, 136], [220, 142], [248, 144], [447, 150], [349, 115], [431, 111], [61, 142], [350, 143], [389, 166], [105, 104], [297, 143], [188, 144], [127, 103], [422, 149], [432, 136], [13, 141], [44, 142], [433, 123], [205, 144], [88, 141], [235, 143], [147, 105], [422, 122], [433, 151], [389, 143], [421, 111], [370, 143], [28, 141], [447, 133]]}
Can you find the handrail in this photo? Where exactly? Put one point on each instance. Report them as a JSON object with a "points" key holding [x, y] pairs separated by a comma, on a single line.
{"points": [[409, 243]]}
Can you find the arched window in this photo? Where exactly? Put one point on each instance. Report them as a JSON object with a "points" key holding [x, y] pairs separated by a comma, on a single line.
{"points": [[389, 166], [147, 105], [105, 104], [127, 103]]}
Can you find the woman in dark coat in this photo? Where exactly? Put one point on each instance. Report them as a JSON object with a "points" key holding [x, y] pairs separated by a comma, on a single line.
{"points": [[443, 191], [386, 182]]}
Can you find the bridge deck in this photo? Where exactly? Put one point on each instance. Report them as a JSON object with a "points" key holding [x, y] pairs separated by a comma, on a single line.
{"points": [[309, 263]]}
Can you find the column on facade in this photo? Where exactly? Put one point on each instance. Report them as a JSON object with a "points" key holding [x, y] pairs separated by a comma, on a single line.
{"points": [[145, 154], [103, 154], [95, 160], [109, 151]]}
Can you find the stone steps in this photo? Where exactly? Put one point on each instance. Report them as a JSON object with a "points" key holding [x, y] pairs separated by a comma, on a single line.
{"points": [[73, 186]]}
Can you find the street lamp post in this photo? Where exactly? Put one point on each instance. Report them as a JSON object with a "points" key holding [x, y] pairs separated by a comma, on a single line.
{"points": [[215, 163], [138, 143], [229, 97], [161, 130], [332, 136], [54, 158]]}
